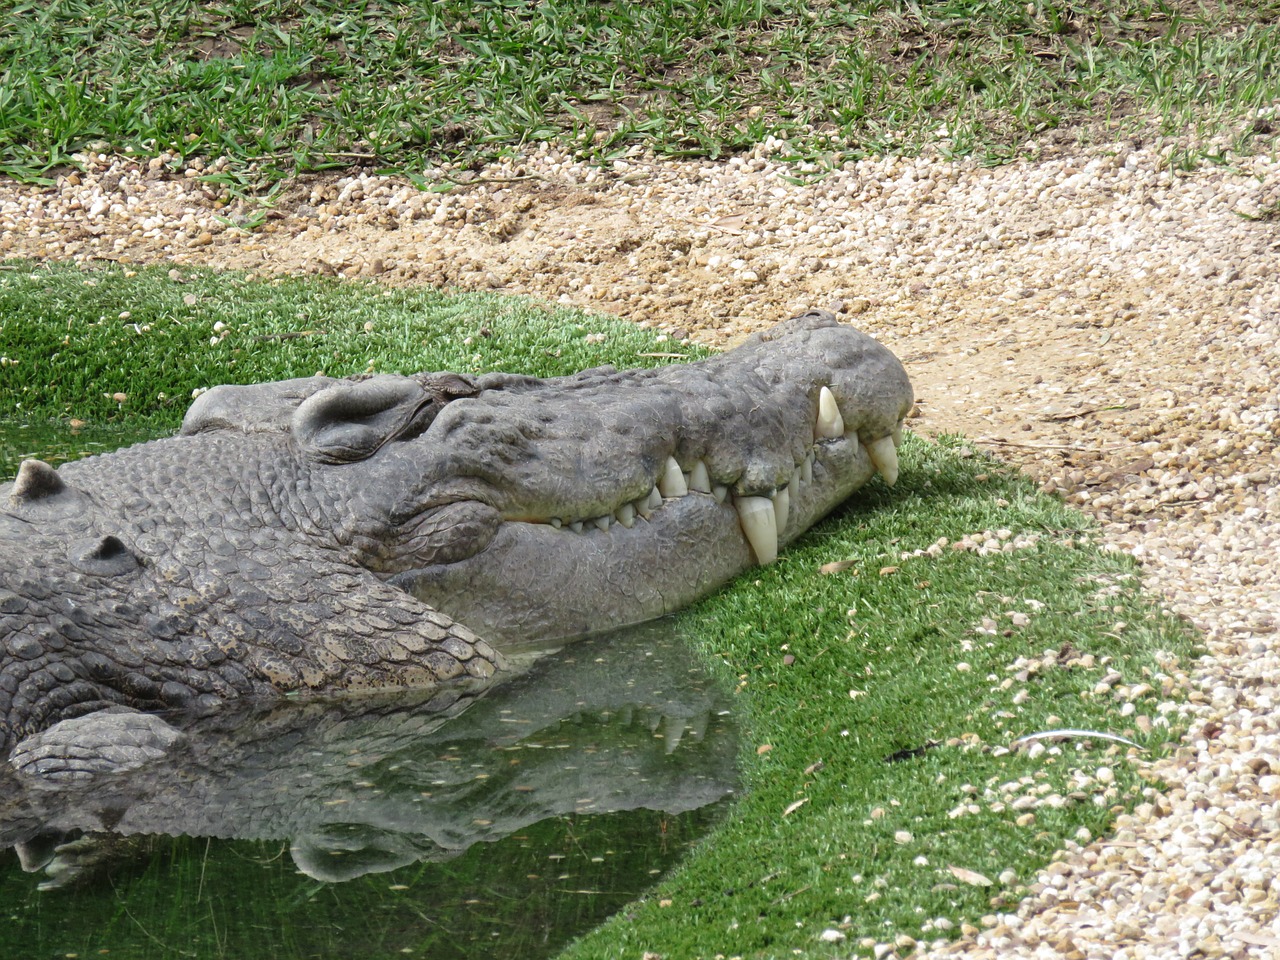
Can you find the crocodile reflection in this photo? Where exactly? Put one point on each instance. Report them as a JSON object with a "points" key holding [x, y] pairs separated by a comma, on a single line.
{"points": [[369, 784]]}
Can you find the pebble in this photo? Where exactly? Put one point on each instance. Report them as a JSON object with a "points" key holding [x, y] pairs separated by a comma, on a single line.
{"points": [[1099, 317]]}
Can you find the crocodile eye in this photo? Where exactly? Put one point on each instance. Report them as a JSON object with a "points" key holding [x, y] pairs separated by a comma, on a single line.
{"points": [[105, 557]]}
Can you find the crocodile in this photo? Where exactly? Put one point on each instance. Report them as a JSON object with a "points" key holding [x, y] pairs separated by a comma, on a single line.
{"points": [[386, 531]]}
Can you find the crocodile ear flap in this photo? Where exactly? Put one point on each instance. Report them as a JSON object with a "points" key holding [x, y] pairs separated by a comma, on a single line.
{"points": [[350, 421]]}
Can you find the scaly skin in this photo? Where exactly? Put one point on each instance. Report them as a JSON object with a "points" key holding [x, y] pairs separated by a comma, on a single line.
{"points": [[318, 535]]}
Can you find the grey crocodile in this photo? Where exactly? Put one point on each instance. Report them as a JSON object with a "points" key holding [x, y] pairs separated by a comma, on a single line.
{"points": [[322, 534]]}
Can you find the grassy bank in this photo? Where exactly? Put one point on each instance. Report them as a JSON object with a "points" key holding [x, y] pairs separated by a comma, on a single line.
{"points": [[282, 87], [884, 666]]}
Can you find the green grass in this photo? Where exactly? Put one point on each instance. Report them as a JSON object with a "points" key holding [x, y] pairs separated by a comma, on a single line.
{"points": [[283, 87], [877, 728], [878, 701]]}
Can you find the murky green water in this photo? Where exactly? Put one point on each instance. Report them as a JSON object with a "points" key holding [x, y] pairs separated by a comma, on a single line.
{"points": [[491, 822], [57, 442]]}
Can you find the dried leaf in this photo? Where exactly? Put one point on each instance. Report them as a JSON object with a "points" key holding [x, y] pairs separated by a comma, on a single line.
{"points": [[838, 566], [763, 749], [971, 877], [1260, 939], [1066, 734], [794, 807], [888, 571]]}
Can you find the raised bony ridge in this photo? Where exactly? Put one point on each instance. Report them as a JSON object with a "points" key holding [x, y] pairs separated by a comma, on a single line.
{"points": [[763, 518]]}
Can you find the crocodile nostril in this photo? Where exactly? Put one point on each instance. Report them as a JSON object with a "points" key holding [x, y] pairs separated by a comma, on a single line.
{"points": [[105, 557]]}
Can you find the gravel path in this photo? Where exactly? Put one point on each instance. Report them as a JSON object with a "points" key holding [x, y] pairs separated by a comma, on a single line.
{"points": [[1110, 326]]}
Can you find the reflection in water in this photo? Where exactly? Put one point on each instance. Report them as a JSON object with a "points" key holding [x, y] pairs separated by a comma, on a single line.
{"points": [[352, 788], [57, 442]]}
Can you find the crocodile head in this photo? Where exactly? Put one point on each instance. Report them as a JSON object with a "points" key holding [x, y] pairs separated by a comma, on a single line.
{"points": [[318, 534]]}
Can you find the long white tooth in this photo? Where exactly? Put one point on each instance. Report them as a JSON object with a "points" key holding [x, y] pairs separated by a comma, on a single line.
{"points": [[830, 424], [760, 525], [781, 509], [576, 526], [673, 730], [896, 433], [655, 499], [699, 478], [671, 483], [885, 457], [602, 523], [626, 515], [720, 492], [806, 468], [796, 475]]}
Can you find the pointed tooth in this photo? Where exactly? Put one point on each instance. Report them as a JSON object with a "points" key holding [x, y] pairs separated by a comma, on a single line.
{"points": [[885, 457], [806, 468], [672, 733], [796, 476], [720, 492], [649, 503], [38, 853], [576, 526], [896, 433], [626, 515], [671, 483], [699, 478], [556, 522], [653, 721], [830, 424], [760, 526], [781, 509], [602, 523]]}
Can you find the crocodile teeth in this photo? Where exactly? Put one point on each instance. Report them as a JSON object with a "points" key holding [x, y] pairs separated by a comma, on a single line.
{"points": [[671, 483], [806, 468], [626, 515], [830, 424], [672, 733], [720, 492], [576, 526], [760, 524], [699, 478], [649, 503], [885, 457], [781, 509], [602, 523], [896, 433]]}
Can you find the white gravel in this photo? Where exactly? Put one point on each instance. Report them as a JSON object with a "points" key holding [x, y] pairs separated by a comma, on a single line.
{"points": [[1109, 324]]}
